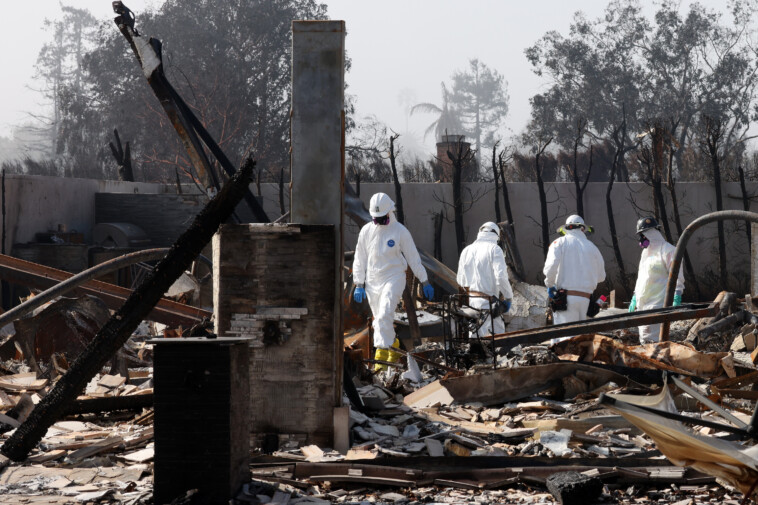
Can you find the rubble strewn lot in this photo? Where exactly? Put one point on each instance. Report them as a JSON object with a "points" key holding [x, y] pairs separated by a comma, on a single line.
{"points": [[534, 429]]}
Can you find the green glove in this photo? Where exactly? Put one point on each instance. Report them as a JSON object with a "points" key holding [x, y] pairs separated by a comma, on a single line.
{"points": [[633, 303], [677, 299]]}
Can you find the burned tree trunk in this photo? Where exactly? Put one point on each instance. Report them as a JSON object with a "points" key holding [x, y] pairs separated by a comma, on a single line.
{"points": [[497, 188], [398, 192], [579, 188], [714, 133], [619, 138], [282, 210], [657, 179], [745, 205], [460, 158], [689, 271], [544, 222], [121, 325], [506, 199], [438, 236], [123, 157]]}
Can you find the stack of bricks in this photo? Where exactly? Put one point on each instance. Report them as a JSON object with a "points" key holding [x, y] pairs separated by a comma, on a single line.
{"points": [[274, 285]]}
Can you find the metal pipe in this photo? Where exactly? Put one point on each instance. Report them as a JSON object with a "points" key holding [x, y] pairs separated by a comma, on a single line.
{"points": [[681, 245], [80, 278]]}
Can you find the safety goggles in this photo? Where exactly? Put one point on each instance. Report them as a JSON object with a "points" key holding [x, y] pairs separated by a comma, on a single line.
{"points": [[382, 219]]}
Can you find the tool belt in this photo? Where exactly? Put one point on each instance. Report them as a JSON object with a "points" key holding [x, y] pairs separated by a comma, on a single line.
{"points": [[470, 293], [570, 292]]}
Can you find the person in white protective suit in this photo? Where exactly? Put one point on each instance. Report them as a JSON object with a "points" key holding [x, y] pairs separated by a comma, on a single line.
{"points": [[575, 264], [652, 275], [483, 274], [384, 251]]}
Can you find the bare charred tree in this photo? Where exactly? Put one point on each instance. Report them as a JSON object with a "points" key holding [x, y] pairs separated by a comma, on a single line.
{"points": [[544, 222], [497, 184], [657, 132], [282, 210], [745, 206], [460, 156], [619, 138], [689, 271], [580, 186], [438, 235], [398, 192], [123, 157], [713, 136], [502, 161]]}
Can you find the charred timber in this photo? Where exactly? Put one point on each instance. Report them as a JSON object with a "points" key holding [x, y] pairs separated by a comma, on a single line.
{"points": [[121, 325], [187, 125]]}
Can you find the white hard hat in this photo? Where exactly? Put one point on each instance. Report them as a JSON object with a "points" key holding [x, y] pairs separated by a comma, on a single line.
{"points": [[575, 220], [490, 226], [380, 205]]}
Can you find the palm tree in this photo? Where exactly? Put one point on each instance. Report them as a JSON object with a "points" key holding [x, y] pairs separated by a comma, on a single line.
{"points": [[448, 120]]}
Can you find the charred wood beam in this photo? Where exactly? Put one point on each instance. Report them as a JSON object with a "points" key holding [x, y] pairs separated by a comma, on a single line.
{"points": [[121, 325], [109, 404], [34, 275], [186, 124], [78, 279], [727, 322]]}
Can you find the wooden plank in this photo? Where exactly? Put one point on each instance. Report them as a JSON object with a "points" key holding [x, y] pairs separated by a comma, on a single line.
{"points": [[95, 449], [141, 456], [111, 381], [580, 425]]}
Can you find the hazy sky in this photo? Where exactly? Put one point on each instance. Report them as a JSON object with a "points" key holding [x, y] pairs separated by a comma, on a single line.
{"points": [[401, 51]]}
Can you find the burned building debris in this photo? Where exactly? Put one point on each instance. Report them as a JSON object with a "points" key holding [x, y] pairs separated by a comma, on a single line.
{"points": [[240, 367]]}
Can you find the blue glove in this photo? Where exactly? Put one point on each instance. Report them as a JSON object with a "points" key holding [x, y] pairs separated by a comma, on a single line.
{"points": [[359, 294], [551, 292], [506, 305], [633, 303], [677, 299], [428, 291]]}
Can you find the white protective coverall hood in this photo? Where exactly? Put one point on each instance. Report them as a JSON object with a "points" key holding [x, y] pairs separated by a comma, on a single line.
{"points": [[652, 276], [382, 254], [482, 268], [573, 263]]}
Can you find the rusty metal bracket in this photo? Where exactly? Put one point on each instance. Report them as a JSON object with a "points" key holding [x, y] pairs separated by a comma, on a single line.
{"points": [[186, 124], [618, 322]]}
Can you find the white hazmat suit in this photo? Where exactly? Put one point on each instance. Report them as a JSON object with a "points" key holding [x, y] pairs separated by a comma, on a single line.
{"points": [[575, 264], [652, 276], [382, 254], [481, 268]]}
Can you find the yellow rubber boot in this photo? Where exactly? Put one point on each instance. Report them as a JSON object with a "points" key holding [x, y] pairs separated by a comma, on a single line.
{"points": [[392, 355], [381, 355]]}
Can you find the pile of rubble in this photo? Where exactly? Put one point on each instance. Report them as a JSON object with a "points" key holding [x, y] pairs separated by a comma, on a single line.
{"points": [[534, 426]]}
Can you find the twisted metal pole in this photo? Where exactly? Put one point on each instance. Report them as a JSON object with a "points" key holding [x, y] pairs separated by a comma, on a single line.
{"points": [[681, 245]]}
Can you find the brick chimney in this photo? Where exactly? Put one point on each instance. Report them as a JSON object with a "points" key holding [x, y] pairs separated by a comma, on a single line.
{"points": [[444, 172]]}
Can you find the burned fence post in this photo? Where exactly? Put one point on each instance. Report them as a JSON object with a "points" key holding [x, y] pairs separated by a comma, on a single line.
{"points": [[121, 325]]}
